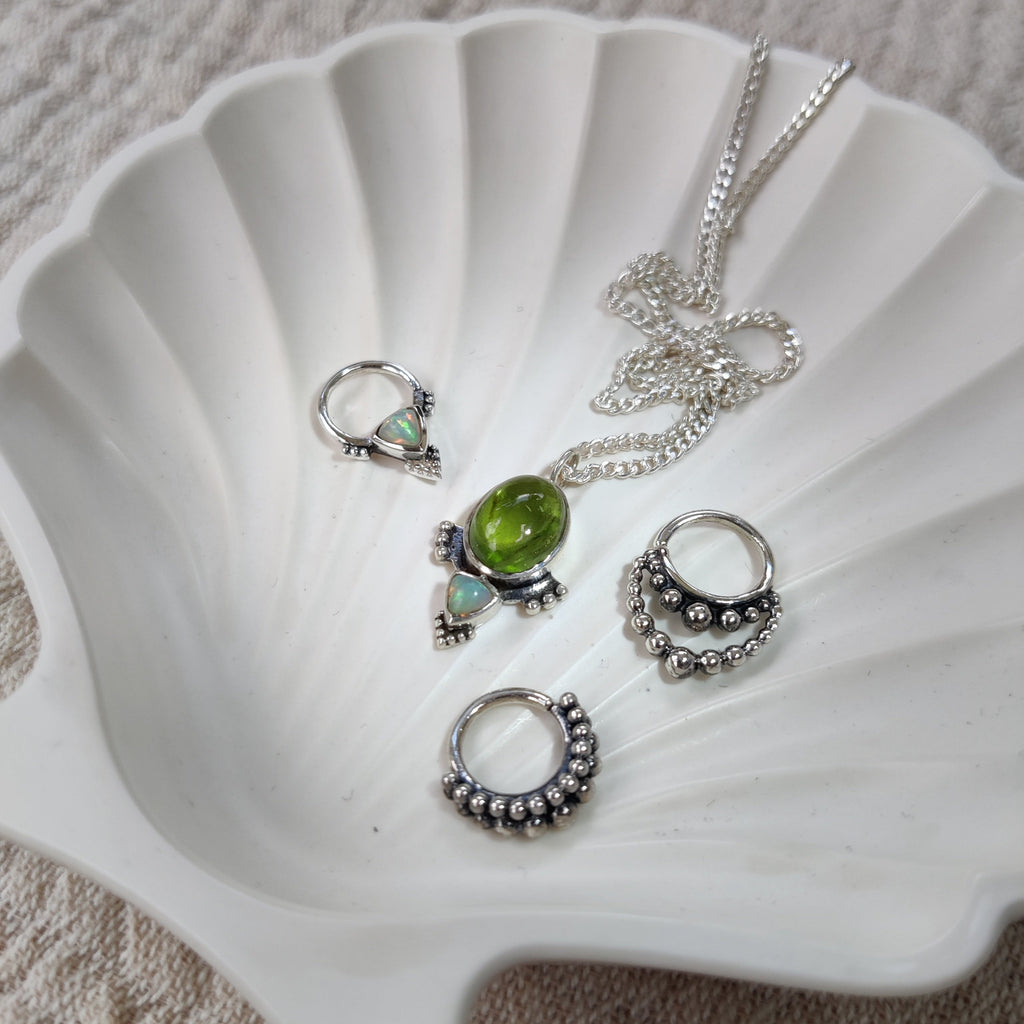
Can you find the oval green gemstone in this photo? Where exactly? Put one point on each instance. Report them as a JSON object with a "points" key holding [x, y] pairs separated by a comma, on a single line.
{"points": [[518, 524]]}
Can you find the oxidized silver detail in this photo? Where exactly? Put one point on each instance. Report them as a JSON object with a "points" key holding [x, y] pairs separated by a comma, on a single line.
{"points": [[421, 459], [699, 609], [550, 805], [536, 589]]}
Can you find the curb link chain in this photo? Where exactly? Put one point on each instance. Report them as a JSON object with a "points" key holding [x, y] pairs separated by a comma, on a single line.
{"points": [[693, 366]]}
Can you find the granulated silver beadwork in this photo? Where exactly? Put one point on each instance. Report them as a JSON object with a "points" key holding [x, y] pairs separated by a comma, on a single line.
{"points": [[551, 805], [700, 609], [402, 435]]}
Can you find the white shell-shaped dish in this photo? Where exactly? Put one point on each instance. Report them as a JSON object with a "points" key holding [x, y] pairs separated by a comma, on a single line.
{"points": [[238, 717]]}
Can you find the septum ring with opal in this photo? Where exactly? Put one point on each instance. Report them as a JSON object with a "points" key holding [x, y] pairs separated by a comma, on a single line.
{"points": [[402, 435], [700, 609], [533, 812]]}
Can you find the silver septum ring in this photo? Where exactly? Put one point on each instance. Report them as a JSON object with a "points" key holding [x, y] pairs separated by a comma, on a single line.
{"points": [[402, 435], [701, 609], [740, 526], [533, 812]]}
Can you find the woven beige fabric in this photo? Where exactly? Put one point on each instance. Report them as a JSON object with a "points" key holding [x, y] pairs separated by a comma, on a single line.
{"points": [[70, 952], [19, 631], [538, 994], [78, 80]]}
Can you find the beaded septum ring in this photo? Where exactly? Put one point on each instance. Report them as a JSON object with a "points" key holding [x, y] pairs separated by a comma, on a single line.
{"points": [[701, 609]]}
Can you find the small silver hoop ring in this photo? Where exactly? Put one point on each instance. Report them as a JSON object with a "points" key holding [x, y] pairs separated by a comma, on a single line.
{"points": [[701, 609], [735, 523], [533, 812], [403, 435]]}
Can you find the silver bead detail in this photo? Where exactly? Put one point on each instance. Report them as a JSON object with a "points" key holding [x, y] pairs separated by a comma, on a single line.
{"points": [[537, 805], [535, 828], [657, 643], [751, 614], [681, 662], [568, 782], [568, 700], [585, 792], [563, 816], [478, 803], [711, 662], [635, 604], [517, 809], [730, 620], [734, 656], [461, 793], [579, 768], [697, 616], [498, 807], [643, 623], [580, 748], [554, 796], [671, 599]]}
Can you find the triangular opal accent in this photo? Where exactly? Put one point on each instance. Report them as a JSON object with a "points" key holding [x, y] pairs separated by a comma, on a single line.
{"points": [[469, 599], [403, 429]]}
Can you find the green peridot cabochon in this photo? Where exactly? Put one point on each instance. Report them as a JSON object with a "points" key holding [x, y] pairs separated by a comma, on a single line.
{"points": [[518, 524]]}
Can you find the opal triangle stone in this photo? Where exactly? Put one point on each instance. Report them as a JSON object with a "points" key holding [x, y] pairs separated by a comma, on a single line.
{"points": [[519, 525], [469, 598], [403, 429]]}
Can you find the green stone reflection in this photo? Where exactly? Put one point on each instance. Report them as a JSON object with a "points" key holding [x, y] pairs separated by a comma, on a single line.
{"points": [[518, 524]]}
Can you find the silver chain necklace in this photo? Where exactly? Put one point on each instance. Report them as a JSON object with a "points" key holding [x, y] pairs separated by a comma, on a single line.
{"points": [[694, 366], [517, 528]]}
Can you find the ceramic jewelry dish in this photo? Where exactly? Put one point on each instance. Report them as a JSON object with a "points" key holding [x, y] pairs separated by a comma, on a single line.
{"points": [[238, 719]]}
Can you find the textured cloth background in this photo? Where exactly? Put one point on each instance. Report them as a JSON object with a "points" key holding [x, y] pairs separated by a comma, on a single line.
{"points": [[78, 80]]}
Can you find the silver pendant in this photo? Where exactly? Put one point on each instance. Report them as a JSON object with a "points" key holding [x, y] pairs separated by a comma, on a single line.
{"points": [[402, 435], [501, 556]]}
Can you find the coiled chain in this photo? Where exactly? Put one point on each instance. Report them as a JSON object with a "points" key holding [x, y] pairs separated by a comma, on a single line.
{"points": [[693, 366]]}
